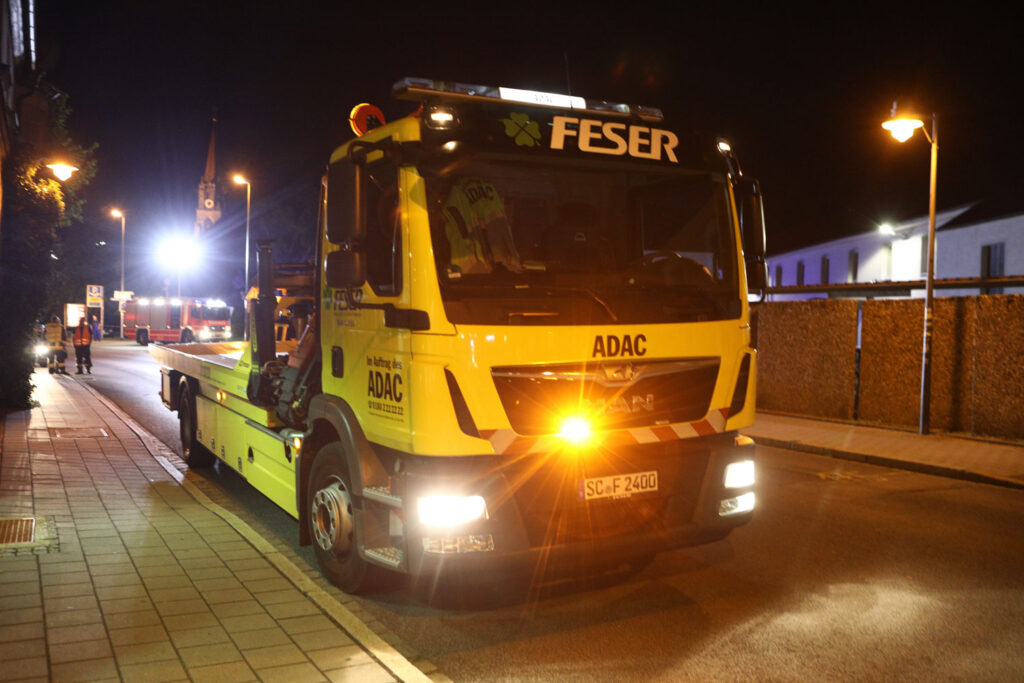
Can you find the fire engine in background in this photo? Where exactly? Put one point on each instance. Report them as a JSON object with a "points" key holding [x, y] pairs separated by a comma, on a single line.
{"points": [[164, 319], [530, 349]]}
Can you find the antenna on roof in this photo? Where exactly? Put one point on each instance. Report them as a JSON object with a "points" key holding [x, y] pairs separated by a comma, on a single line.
{"points": [[568, 83]]}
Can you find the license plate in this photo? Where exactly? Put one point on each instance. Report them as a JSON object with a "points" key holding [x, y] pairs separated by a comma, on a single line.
{"points": [[617, 486]]}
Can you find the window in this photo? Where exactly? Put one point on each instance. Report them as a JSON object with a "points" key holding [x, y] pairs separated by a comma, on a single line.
{"points": [[824, 270], [778, 276], [852, 264], [992, 265], [799, 273], [383, 228]]}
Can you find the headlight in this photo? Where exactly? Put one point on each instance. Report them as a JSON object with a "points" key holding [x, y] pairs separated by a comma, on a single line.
{"points": [[450, 510], [205, 333], [42, 349], [739, 475]]}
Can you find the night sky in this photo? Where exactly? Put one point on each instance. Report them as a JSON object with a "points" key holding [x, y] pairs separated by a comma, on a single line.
{"points": [[800, 94]]}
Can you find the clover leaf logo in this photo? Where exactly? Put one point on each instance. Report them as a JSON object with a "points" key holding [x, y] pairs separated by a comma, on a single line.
{"points": [[520, 128]]}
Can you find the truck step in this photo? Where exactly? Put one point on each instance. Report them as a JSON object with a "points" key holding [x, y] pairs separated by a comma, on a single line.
{"points": [[389, 555], [382, 494]]}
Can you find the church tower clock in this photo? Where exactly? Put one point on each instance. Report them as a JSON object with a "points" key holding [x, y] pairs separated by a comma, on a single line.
{"points": [[208, 210]]}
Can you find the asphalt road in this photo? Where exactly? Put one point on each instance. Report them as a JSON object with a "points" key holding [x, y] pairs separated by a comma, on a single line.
{"points": [[848, 572]]}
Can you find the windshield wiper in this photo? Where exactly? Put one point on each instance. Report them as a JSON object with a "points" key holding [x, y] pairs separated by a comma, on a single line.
{"points": [[579, 290], [520, 287]]}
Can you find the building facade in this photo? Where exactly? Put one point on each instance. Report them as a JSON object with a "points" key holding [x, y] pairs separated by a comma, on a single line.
{"points": [[984, 239]]}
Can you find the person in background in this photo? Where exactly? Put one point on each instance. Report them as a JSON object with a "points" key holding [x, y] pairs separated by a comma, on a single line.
{"points": [[82, 339], [55, 336], [97, 333]]}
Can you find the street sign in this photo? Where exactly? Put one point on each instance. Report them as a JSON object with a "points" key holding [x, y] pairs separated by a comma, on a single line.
{"points": [[93, 295], [122, 294]]}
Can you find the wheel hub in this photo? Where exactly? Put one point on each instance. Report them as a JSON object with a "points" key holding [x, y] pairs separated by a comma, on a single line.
{"points": [[332, 521]]}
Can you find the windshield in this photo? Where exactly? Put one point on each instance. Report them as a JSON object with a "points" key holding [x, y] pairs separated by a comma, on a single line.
{"points": [[215, 313], [568, 244]]}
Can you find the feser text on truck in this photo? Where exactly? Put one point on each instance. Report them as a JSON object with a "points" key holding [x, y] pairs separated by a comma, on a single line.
{"points": [[528, 346]]}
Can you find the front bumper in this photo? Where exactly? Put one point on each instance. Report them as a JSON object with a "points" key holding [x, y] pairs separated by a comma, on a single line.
{"points": [[537, 522]]}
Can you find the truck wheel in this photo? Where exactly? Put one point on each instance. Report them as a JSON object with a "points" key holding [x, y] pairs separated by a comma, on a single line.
{"points": [[142, 337], [186, 337], [194, 453], [332, 525]]}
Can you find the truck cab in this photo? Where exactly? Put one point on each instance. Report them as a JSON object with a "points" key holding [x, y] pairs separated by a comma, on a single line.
{"points": [[534, 333], [526, 344]]}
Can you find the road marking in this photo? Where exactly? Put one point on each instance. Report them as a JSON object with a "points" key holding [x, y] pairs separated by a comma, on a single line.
{"points": [[379, 649]]}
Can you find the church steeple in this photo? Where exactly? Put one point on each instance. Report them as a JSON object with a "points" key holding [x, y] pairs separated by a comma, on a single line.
{"points": [[208, 208]]}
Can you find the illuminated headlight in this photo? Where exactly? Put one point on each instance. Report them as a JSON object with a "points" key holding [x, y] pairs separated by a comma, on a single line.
{"points": [[739, 475], [737, 505], [42, 349], [205, 334], [447, 511]]}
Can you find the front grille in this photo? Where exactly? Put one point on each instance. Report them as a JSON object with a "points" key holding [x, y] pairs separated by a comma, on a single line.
{"points": [[545, 491], [612, 395]]}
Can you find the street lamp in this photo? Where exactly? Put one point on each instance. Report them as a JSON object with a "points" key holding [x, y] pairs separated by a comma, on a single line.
{"points": [[240, 180], [117, 213], [902, 128], [61, 170]]}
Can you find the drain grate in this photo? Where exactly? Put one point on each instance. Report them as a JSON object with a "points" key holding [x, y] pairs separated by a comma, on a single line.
{"points": [[78, 433], [28, 535], [17, 530]]}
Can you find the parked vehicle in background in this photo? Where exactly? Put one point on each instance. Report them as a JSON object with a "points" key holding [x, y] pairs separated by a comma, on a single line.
{"points": [[176, 320]]}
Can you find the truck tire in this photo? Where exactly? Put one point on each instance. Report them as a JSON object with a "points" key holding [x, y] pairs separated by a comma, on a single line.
{"points": [[194, 454], [186, 337], [332, 524], [142, 337]]}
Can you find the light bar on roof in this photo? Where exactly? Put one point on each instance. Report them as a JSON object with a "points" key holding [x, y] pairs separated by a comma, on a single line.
{"points": [[542, 99], [425, 89]]}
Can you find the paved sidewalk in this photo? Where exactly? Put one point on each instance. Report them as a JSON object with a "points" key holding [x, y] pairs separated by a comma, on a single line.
{"points": [[941, 454], [136, 575]]}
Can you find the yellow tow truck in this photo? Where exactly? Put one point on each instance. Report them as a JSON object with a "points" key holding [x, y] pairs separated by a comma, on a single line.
{"points": [[529, 347]]}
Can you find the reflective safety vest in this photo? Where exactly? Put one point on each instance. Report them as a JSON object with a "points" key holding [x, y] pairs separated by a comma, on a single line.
{"points": [[54, 333], [478, 231], [82, 336]]}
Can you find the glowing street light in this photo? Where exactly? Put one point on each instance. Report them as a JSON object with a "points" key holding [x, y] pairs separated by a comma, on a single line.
{"points": [[61, 170], [240, 180], [902, 128], [117, 213]]}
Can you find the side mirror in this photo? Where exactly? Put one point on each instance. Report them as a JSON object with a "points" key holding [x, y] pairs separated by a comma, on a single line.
{"points": [[343, 220], [751, 208], [345, 269]]}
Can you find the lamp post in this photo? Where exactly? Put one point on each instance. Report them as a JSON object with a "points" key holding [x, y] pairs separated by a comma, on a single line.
{"points": [[117, 213], [240, 180], [902, 128]]}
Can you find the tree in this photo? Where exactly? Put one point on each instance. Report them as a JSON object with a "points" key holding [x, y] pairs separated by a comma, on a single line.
{"points": [[36, 209]]}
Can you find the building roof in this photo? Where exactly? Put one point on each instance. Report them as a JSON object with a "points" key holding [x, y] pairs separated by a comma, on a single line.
{"points": [[1004, 205]]}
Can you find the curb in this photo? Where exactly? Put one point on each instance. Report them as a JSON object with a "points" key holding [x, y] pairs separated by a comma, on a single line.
{"points": [[894, 463], [386, 655]]}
